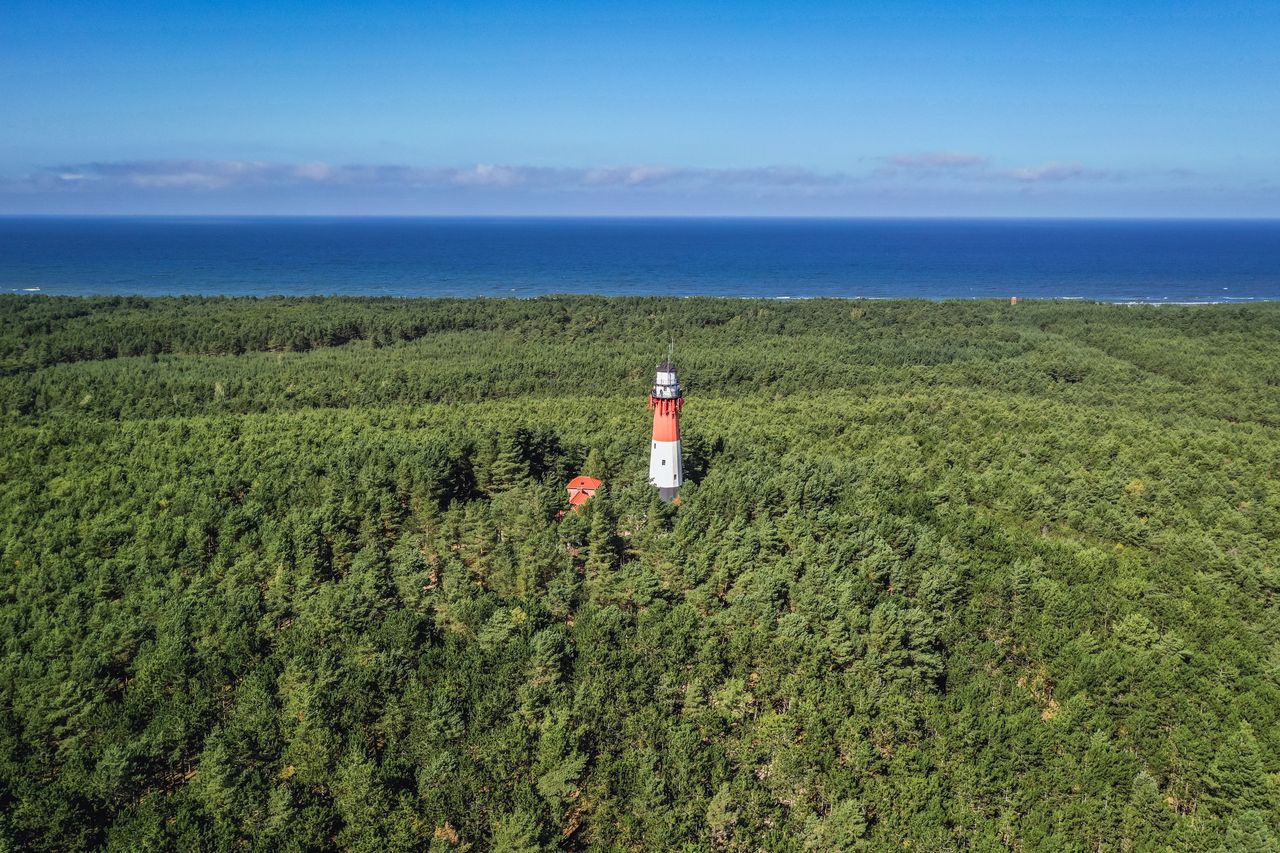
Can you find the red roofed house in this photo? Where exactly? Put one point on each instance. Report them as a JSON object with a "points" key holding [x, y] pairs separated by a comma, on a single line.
{"points": [[581, 489]]}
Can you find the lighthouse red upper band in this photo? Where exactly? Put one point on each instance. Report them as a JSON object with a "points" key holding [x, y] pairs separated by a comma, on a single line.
{"points": [[666, 419]]}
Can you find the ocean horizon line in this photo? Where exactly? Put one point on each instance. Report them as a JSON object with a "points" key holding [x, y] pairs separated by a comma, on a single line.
{"points": [[665, 217]]}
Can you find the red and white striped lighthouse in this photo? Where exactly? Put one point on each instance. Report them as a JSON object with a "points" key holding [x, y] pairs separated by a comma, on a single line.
{"points": [[666, 399]]}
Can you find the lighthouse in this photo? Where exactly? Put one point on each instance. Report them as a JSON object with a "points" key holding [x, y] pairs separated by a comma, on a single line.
{"points": [[666, 399]]}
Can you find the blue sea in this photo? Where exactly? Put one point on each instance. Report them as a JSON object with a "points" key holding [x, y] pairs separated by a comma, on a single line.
{"points": [[1114, 261]]}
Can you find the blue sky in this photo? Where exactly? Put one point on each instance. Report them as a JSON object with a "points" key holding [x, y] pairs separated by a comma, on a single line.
{"points": [[736, 108]]}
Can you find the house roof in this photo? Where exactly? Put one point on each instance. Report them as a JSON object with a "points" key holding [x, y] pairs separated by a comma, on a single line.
{"points": [[581, 482]]}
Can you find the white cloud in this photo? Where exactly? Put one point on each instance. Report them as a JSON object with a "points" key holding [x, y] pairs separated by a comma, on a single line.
{"points": [[631, 176], [1056, 173], [488, 175], [934, 161]]}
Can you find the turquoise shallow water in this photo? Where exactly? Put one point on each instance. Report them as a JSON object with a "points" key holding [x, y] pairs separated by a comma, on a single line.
{"points": [[1119, 261]]}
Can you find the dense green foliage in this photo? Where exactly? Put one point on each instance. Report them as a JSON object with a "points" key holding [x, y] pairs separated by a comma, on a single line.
{"points": [[289, 574]]}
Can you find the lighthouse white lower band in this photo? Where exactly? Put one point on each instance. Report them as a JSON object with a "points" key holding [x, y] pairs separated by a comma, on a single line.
{"points": [[664, 465]]}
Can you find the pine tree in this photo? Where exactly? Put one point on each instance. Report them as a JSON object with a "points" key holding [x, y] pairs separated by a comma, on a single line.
{"points": [[509, 467], [602, 541], [841, 830], [721, 817], [594, 466], [1147, 818], [1237, 780], [1249, 832], [516, 832]]}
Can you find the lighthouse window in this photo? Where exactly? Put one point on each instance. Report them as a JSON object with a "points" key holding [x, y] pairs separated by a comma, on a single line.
{"points": [[664, 462]]}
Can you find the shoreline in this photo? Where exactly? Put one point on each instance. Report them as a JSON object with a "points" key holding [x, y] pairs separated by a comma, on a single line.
{"points": [[1226, 300]]}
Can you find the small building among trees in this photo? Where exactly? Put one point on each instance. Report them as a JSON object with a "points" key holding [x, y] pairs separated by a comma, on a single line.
{"points": [[581, 489]]}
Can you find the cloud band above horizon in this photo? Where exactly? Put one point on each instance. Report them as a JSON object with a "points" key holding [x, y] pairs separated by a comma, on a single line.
{"points": [[930, 183], [218, 175]]}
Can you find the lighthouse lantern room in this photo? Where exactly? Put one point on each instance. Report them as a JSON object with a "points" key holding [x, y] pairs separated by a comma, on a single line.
{"points": [[666, 399]]}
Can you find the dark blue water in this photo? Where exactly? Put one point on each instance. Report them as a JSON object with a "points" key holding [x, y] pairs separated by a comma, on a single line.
{"points": [[1120, 261]]}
